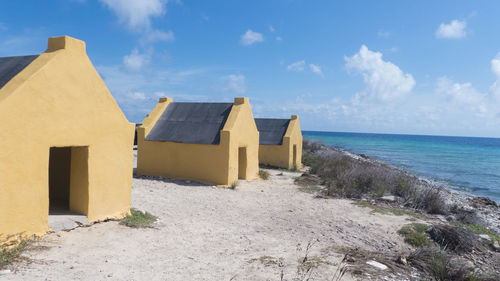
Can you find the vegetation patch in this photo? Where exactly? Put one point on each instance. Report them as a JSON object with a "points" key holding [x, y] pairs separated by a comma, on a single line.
{"points": [[308, 179], [439, 265], [263, 174], [12, 254], [310, 188], [416, 235], [357, 177], [139, 219], [457, 239], [388, 210], [480, 230], [233, 185], [375, 208], [269, 261]]}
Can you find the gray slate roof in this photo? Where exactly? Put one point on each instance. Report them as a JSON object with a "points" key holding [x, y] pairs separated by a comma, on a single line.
{"points": [[190, 122], [271, 131], [11, 66]]}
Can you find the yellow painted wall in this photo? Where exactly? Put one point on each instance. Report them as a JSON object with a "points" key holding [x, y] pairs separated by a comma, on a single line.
{"points": [[212, 164], [282, 155], [59, 100]]}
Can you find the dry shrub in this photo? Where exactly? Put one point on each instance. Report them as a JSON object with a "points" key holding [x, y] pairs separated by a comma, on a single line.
{"points": [[351, 177], [263, 174], [439, 265], [455, 238], [426, 198], [12, 248]]}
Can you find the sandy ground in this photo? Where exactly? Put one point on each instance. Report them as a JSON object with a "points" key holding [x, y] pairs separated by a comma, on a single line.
{"points": [[255, 232]]}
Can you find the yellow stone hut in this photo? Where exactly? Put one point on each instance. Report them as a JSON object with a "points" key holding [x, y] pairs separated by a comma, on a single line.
{"points": [[214, 143], [65, 143], [280, 142]]}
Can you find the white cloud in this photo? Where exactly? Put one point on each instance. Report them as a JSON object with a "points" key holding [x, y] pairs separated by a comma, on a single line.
{"points": [[316, 69], [297, 66], [135, 61], [182, 96], [462, 93], [157, 35], [271, 28], [278, 38], [250, 37], [129, 87], [453, 30], [236, 83], [138, 96], [495, 65], [383, 80], [495, 68], [445, 108], [136, 14]]}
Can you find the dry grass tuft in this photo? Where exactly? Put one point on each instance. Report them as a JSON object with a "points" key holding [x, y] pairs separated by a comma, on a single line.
{"points": [[13, 254]]}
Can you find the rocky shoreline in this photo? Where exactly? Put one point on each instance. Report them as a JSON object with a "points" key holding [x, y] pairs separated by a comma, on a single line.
{"points": [[462, 207]]}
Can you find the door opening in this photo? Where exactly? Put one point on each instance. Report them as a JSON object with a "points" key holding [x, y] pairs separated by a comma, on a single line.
{"points": [[59, 179], [295, 155], [68, 180], [242, 163]]}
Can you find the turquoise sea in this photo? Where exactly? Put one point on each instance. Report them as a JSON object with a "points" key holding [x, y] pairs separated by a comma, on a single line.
{"points": [[461, 163]]}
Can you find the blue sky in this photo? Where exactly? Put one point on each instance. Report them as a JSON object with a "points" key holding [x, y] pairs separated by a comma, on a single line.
{"points": [[417, 67]]}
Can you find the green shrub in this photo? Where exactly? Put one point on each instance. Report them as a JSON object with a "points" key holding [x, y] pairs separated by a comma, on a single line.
{"points": [[415, 234], [234, 184], [263, 174], [138, 219], [438, 267]]}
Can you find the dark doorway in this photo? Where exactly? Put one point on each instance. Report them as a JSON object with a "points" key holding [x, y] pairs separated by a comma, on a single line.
{"points": [[59, 179], [295, 155], [68, 180], [242, 163]]}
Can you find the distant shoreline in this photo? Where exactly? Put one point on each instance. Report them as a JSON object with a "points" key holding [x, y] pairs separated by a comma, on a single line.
{"points": [[467, 165], [397, 134]]}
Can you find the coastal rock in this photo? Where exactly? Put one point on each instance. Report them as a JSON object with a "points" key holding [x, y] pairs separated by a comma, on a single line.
{"points": [[402, 260], [468, 215], [376, 264], [450, 218], [483, 201], [485, 237], [389, 198], [496, 246]]}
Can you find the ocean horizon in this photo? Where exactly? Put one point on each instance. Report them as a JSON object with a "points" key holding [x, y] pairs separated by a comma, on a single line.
{"points": [[466, 164]]}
